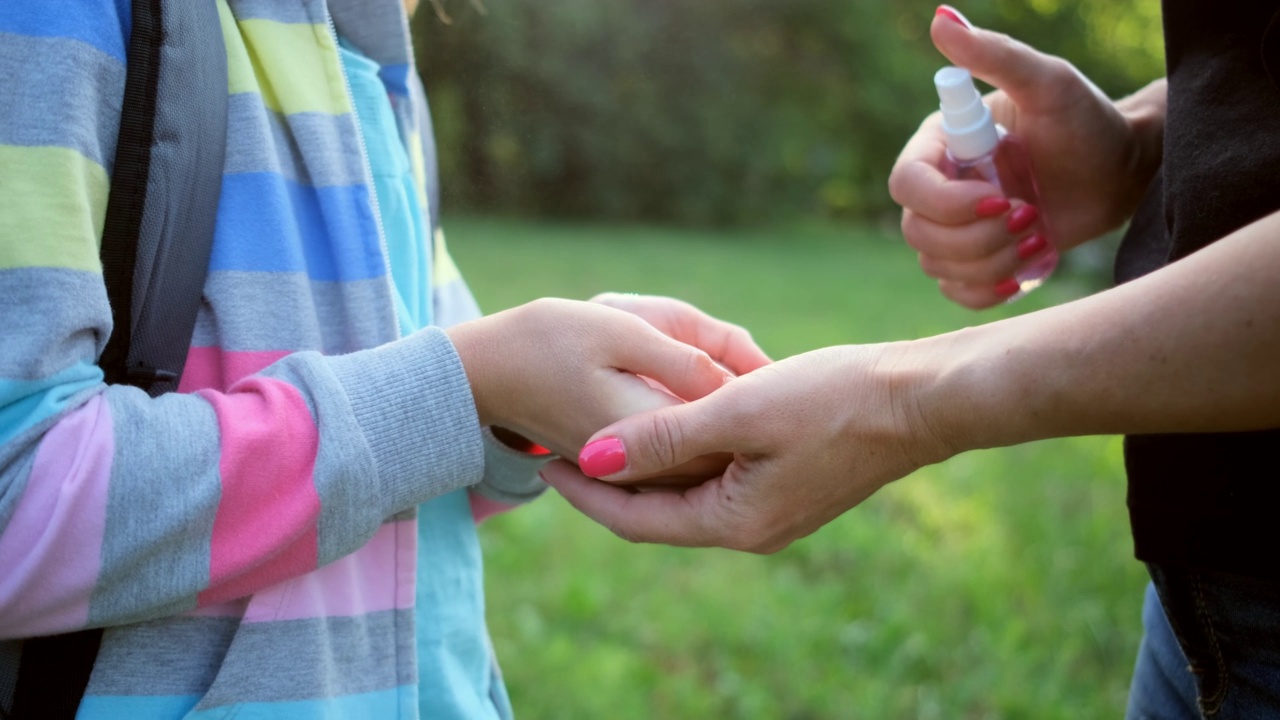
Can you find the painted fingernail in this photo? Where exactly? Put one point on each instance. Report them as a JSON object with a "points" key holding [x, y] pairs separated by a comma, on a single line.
{"points": [[992, 207], [1031, 246], [1005, 288], [603, 457], [954, 15], [1022, 218]]}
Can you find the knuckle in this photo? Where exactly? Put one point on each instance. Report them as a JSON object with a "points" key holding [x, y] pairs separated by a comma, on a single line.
{"points": [[760, 543], [896, 189], [739, 541], [746, 531], [700, 365], [1006, 44], [995, 270], [908, 224], [622, 531], [625, 534], [988, 245], [967, 299], [664, 439], [771, 547], [913, 231], [930, 267], [984, 272], [1059, 72]]}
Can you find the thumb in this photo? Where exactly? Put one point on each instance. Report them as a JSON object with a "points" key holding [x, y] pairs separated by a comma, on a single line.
{"points": [[1018, 69], [656, 442]]}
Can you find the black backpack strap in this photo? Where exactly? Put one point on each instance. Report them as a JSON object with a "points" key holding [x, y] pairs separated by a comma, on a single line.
{"points": [[53, 673], [156, 242]]}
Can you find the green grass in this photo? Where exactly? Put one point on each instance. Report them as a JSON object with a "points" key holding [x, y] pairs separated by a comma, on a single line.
{"points": [[998, 584]]}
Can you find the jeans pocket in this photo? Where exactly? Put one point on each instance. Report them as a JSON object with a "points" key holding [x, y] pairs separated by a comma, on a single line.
{"points": [[1192, 618]]}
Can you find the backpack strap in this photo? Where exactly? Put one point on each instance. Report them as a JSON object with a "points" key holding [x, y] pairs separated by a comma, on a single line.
{"points": [[156, 242], [164, 190]]}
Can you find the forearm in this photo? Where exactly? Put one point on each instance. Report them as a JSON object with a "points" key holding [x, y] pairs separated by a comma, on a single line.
{"points": [[185, 500], [1190, 348]]}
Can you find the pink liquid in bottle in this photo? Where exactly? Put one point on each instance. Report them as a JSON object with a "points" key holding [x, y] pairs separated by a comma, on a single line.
{"points": [[980, 149]]}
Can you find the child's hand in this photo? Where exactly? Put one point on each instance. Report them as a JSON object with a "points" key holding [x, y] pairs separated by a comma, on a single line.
{"points": [[728, 344], [556, 371]]}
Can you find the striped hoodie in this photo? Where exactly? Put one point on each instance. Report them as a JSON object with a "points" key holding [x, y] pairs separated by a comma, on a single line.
{"points": [[291, 535]]}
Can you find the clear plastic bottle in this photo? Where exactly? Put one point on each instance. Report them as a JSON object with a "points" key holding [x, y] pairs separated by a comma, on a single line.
{"points": [[978, 148]]}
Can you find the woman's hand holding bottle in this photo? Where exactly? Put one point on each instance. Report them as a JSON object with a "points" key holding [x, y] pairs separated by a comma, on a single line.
{"points": [[1092, 160]]}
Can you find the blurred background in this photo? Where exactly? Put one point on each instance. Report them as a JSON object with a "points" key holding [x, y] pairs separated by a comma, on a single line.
{"points": [[734, 153]]}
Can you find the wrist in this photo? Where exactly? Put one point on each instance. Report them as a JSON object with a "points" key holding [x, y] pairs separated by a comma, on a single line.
{"points": [[923, 401], [475, 344], [1144, 113], [973, 389]]}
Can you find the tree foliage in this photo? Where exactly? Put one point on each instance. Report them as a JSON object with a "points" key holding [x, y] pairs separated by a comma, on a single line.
{"points": [[713, 112]]}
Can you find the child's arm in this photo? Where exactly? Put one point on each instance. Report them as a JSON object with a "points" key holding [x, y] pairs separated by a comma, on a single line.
{"points": [[117, 507]]}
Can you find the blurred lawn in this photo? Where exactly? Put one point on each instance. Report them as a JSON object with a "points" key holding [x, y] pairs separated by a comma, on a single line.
{"points": [[999, 584]]}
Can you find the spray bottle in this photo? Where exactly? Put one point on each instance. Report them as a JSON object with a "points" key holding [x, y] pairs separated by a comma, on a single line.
{"points": [[978, 148]]}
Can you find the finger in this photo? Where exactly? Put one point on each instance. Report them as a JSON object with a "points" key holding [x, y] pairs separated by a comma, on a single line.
{"points": [[918, 183], [971, 242], [634, 394], [657, 442], [989, 271], [634, 304], [666, 516], [1025, 74], [694, 472], [685, 370], [984, 272], [976, 297], [728, 344]]}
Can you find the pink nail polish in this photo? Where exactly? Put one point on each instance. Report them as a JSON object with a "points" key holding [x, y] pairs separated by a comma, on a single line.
{"points": [[1031, 246], [603, 457], [954, 15], [992, 207], [1006, 288]]}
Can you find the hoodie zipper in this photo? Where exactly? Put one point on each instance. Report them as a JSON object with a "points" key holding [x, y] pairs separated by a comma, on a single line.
{"points": [[366, 166]]}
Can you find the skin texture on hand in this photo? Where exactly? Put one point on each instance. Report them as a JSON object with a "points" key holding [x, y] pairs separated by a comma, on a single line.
{"points": [[555, 371], [731, 346], [1188, 348], [1092, 159], [728, 344], [812, 436]]}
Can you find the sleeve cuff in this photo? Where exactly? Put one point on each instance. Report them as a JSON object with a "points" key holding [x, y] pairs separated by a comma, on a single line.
{"points": [[414, 406], [510, 476]]}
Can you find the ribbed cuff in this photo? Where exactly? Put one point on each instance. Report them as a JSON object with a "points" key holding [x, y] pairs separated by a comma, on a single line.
{"points": [[510, 476], [414, 405]]}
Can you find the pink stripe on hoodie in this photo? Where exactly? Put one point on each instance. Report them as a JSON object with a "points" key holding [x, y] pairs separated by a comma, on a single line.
{"points": [[265, 528]]}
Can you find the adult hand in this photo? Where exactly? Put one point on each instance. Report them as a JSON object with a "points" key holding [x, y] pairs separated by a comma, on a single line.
{"points": [[555, 371], [728, 344], [1092, 159], [811, 436]]}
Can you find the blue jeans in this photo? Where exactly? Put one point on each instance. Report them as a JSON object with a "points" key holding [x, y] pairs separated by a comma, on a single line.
{"points": [[1210, 648]]}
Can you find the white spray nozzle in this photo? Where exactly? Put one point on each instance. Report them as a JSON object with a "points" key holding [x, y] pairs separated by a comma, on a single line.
{"points": [[966, 120]]}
